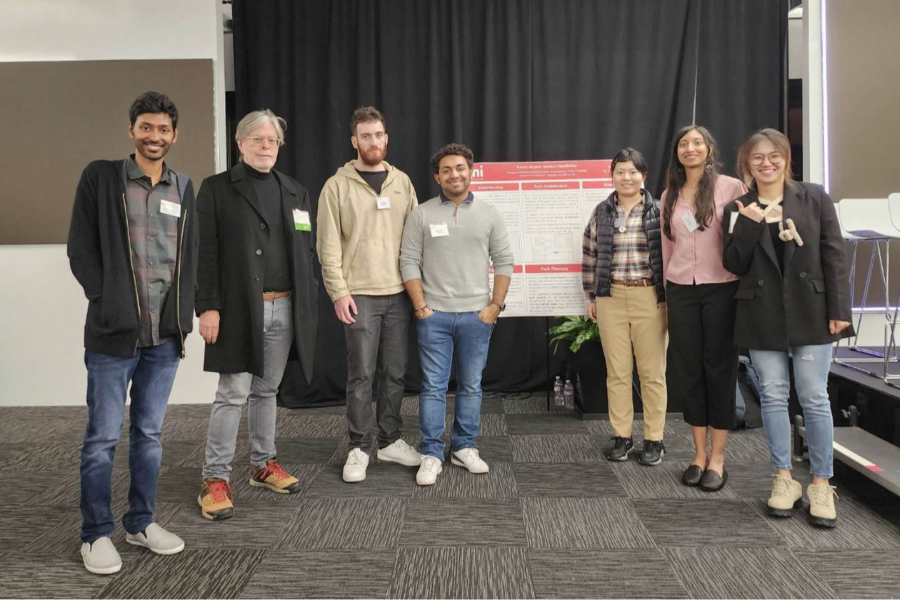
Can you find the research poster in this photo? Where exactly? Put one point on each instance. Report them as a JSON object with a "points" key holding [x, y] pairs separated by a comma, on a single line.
{"points": [[545, 206]]}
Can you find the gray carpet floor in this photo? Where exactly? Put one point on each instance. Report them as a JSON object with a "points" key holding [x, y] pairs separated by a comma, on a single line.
{"points": [[552, 519]]}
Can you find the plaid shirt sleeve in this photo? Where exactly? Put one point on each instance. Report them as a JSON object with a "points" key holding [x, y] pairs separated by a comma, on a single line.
{"points": [[589, 257]]}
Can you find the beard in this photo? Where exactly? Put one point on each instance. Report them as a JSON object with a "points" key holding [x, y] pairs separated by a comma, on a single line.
{"points": [[373, 156], [145, 151]]}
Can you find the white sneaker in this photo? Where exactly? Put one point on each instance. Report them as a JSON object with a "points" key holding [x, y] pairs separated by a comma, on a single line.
{"points": [[356, 465], [469, 458], [400, 452], [429, 469], [156, 539], [101, 557]]}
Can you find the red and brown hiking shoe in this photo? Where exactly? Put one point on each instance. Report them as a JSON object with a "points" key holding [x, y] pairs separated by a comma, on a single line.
{"points": [[215, 500], [274, 477]]}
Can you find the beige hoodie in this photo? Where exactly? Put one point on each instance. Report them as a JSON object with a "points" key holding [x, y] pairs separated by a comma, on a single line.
{"points": [[358, 244]]}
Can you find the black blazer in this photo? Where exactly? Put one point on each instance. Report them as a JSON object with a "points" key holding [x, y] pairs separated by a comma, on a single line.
{"points": [[776, 311], [234, 234]]}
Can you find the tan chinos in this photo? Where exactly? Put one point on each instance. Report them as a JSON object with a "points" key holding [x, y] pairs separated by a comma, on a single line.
{"points": [[632, 320]]}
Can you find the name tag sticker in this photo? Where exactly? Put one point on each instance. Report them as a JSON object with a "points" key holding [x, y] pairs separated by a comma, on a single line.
{"points": [[734, 217], [173, 209], [439, 230], [301, 220], [690, 222], [620, 224], [383, 203]]}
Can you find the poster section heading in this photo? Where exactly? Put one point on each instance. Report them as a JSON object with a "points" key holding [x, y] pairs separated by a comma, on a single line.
{"points": [[545, 206]]}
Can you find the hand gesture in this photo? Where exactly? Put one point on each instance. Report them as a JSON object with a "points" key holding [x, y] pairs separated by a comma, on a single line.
{"points": [[753, 211]]}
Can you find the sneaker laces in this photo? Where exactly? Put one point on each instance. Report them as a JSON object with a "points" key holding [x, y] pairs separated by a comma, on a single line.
{"points": [[402, 446], [781, 486], [823, 494], [468, 453], [273, 468], [431, 463], [219, 490], [353, 457]]}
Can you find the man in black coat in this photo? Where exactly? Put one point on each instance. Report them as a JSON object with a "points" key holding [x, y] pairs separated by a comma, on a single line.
{"points": [[256, 300], [133, 248]]}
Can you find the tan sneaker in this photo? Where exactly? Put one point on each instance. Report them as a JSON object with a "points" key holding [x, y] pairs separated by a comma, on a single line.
{"points": [[787, 495], [274, 477], [215, 500], [821, 505]]}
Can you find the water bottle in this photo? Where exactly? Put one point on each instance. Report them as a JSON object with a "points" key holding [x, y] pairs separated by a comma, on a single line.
{"points": [[558, 396], [569, 395]]}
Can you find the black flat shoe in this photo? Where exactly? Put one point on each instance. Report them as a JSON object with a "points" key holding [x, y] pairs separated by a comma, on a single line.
{"points": [[692, 475], [712, 482]]}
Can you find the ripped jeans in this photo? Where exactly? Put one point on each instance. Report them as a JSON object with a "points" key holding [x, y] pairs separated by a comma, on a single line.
{"points": [[811, 365]]}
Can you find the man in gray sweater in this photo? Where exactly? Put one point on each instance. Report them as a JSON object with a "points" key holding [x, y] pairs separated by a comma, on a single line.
{"points": [[448, 246]]}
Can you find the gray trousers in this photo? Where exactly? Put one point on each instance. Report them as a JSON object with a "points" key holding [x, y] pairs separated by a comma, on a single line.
{"points": [[377, 354], [237, 389]]}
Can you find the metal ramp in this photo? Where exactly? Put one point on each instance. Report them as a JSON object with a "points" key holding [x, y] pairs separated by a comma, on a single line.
{"points": [[866, 453]]}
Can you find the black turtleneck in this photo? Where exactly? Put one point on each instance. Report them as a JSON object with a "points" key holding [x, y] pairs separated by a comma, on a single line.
{"points": [[278, 275]]}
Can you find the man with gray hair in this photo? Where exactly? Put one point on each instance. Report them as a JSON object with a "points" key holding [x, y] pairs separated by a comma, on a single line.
{"points": [[362, 210], [256, 299]]}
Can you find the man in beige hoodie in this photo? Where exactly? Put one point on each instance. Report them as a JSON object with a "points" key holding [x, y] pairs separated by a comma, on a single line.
{"points": [[362, 211]]}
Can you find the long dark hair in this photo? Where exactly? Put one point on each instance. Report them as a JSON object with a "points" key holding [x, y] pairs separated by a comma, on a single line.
{"points": [[676, 178]]}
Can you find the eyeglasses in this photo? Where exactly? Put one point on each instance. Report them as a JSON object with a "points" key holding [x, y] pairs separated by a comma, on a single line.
{"points": [[257, 140], [776, 158]]}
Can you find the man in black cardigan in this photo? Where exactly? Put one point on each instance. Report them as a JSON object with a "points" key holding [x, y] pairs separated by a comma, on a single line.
{"points": [[133, 248]]}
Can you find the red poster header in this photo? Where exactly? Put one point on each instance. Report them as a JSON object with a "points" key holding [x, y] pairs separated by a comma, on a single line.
{"points": [[558, 170], [598, 185], [494, 187], [550, 269], [551, 185]]}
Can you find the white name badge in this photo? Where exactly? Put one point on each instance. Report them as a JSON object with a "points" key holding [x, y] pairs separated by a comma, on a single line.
{"points": [[690, 222], [301, 220], [173, 209], [383, 203], [734, 217], [620, 224], [439, 230]]}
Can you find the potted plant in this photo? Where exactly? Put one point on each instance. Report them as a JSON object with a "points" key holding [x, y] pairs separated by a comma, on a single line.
{"points": [[581, 335], [588, 362]]}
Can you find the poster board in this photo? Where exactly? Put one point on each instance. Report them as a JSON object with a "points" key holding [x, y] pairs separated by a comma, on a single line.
{"points": [[545, 207]]}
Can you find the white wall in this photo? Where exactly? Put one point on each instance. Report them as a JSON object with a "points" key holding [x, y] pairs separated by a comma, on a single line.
{"points": [[42, 308]]}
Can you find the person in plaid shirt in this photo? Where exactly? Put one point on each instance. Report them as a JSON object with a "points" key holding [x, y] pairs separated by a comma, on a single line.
{"points": [[133, 248], [623, 286]]}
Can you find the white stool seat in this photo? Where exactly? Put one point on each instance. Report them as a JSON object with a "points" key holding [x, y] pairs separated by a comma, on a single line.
{"points": [[868, 218]]}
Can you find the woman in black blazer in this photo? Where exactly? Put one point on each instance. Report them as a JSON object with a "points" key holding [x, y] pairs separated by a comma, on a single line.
{"points": [[784, 241]]}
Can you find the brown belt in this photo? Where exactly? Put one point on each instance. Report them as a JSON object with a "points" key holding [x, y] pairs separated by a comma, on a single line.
{"points": [[274, 295], [633, 282]]}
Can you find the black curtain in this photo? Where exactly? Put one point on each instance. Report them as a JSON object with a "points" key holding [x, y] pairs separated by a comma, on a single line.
{"points": [[514, 80]]}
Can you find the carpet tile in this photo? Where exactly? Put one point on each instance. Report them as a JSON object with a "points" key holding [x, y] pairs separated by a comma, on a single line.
{"points": [[333, 523], [461, 573], [463, 522], [583, 523], [643, 573], [746, 573], [726, 523], [555, 448], [322, 574], [574, 480]]}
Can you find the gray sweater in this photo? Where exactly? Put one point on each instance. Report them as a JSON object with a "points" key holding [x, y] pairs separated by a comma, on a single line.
{"points": [[450, 249]]}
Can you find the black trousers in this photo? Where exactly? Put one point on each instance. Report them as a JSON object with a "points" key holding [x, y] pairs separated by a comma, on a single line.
{"points": [[702, 360]]}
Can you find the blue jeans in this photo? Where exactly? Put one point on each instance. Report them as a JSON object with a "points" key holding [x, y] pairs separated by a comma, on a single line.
{"points": [[445, 338], [811, 366], [151, 372]]}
